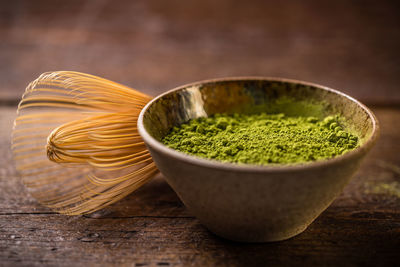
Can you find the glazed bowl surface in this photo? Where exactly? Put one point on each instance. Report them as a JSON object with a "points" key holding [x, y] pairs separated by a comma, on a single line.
{"points": [[253, 203]]}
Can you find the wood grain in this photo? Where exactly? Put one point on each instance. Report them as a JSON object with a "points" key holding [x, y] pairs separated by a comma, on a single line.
{"points": [[152, 228], [157, 45]]}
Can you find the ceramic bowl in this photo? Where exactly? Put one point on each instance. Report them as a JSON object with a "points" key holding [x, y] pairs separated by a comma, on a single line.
{"points": [[253, 203]]}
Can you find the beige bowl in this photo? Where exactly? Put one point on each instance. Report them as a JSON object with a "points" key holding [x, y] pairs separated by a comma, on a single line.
{"points": [[247, 202]]}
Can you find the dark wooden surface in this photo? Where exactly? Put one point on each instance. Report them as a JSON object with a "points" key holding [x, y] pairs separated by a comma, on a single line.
{"points": [[156, 45], [151, 226]]}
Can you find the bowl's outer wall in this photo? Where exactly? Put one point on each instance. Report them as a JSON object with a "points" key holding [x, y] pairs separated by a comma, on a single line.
{"points": [[255, 206], [246, 204]]}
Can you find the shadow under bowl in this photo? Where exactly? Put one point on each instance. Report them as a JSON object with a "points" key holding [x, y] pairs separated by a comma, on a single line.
{"points": [[253, 203]]}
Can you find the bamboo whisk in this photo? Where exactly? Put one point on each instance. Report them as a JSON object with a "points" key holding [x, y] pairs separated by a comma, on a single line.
{"points": [[76, 144]]}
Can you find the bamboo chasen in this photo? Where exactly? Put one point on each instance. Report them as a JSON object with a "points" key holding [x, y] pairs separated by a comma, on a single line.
{"points": [[75, 141]]}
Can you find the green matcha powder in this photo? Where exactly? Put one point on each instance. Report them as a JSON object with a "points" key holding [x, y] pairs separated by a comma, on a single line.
{"points": [[262, 138]]}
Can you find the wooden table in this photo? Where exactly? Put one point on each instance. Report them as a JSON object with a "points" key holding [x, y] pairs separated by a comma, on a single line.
{"points": [[349, 45], [152, 227]]}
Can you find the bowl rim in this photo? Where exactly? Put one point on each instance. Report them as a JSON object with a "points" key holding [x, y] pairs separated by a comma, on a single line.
{"points": [[211, 163]]}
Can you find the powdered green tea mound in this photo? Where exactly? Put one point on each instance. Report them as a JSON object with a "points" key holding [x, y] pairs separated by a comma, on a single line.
{"points": [[262, 138]]}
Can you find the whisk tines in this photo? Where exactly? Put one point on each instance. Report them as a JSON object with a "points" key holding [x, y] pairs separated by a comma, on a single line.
{"points": [[75, 141]]}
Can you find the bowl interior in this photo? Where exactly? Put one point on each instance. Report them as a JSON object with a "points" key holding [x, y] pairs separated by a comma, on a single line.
{"points": [[253, 95]]}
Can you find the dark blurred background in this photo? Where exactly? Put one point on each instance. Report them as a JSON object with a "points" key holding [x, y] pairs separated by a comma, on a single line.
{"points": [[153, 46]]}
